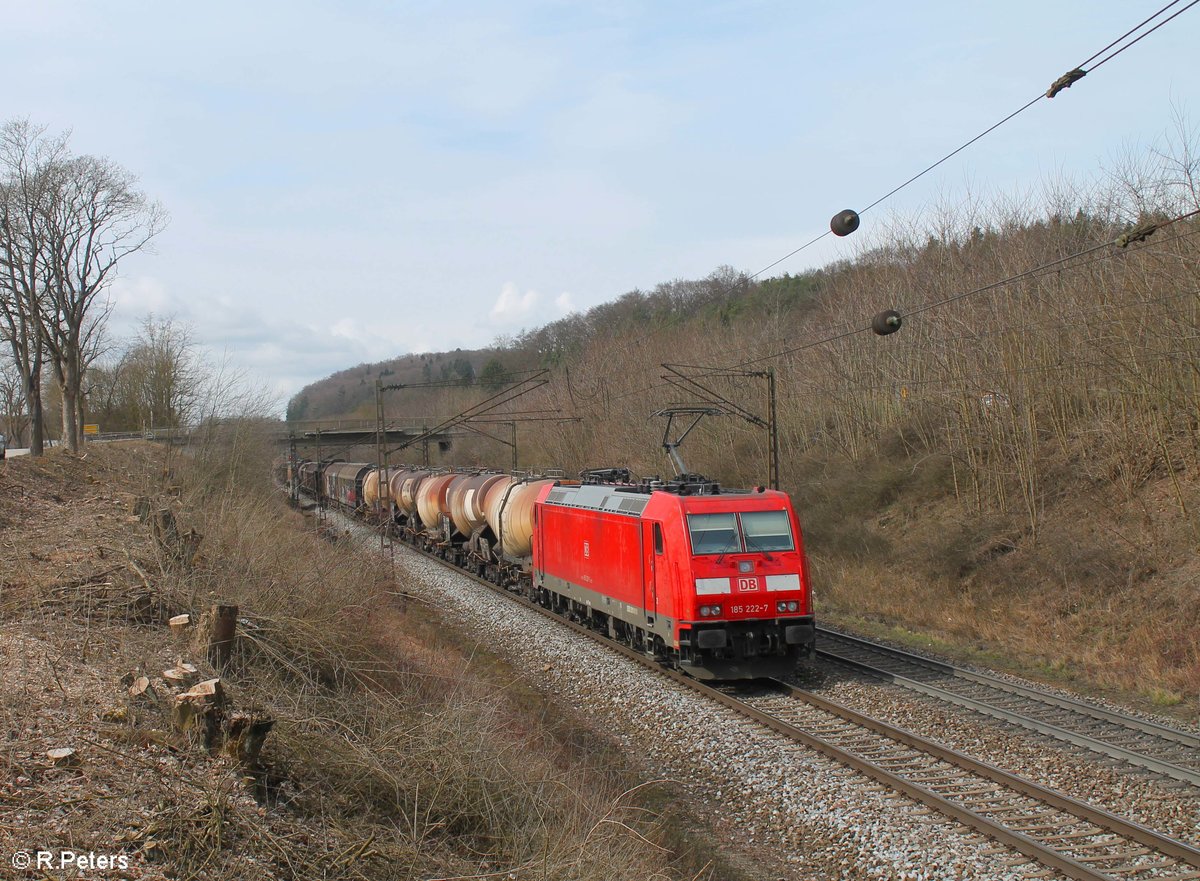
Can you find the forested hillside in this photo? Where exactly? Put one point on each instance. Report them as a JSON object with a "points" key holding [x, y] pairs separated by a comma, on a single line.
{"points": [[1016, 468]]}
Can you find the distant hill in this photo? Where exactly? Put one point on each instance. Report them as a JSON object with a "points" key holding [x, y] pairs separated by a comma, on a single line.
{"points": [[724, 297], [351, 393]]}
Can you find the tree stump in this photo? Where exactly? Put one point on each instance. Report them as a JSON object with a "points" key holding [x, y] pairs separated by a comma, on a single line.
{"points": [[180, 675], [165, 528], [215, 634], [142, 508], [63, 757], [198, 712], [246, 737]]}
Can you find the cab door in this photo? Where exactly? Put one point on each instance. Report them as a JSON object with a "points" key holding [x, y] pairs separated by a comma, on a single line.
{"points": [[654, 566]]}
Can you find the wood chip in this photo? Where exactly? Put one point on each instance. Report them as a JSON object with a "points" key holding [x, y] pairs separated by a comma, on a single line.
{"points": [[63, 757]]}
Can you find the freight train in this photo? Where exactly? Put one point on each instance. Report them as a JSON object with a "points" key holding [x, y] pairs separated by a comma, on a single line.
{"points": [[711, 580]]}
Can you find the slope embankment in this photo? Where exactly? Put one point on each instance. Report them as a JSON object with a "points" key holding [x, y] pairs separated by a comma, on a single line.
{"points": [[337, 732]]}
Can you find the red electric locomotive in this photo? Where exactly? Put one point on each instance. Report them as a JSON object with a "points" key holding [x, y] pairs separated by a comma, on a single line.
{"points": [[713, 579]]}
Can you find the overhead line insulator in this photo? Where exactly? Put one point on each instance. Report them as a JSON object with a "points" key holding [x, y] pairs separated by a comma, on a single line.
{"points": [[844, 222], [887, 321]]}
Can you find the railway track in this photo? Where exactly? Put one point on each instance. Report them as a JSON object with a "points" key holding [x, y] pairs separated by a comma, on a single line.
{"points": [[1062, 834], [1164, 751]]}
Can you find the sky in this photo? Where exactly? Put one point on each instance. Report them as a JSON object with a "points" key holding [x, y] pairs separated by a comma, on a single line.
{"points": [[352, 181]]}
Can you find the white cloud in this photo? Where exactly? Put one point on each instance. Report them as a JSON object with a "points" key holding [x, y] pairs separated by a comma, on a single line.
{"points": [[141, 295], [565, 302], [512, 305]]}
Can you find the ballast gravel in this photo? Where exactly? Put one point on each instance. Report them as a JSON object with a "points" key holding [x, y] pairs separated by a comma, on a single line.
{"points": [[804, 816], [1164, 805]]}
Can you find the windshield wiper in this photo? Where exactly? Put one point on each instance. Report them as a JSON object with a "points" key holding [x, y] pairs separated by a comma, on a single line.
{"points": [[728, 547], [753, 548]]}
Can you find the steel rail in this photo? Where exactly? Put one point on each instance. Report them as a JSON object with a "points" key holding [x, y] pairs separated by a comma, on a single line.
{"points": [[1165, 731], [1018, 841], [946, 695], [1112, 822]]}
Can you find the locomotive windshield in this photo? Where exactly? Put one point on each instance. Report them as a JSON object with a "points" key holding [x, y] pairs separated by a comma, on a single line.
{"points": [[749, 531], [767, 531], [714, 533]]}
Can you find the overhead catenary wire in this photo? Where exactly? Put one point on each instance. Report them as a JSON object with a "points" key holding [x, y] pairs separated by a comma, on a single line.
{"points": [[1122, 43], [1065, 81], [1055, 323], [936, 345], [1010, 329], [1119, 245], [1140, 37], [1003, 282], [992, 380], [992, 375]]}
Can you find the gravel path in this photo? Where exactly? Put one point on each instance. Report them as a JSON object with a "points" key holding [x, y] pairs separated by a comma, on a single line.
{"points": [[763, 793]]}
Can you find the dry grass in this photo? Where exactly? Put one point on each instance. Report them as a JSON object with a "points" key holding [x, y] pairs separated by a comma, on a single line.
{"points": [[394, 755], [1105, 598]]}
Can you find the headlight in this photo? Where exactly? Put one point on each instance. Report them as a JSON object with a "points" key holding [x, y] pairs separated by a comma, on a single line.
{"points": [[793, 605], [781, 606]]}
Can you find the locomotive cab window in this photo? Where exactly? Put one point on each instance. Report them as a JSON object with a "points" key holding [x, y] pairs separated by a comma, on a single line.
{"points": [[658, 539], [767, 531], [714, 533]]}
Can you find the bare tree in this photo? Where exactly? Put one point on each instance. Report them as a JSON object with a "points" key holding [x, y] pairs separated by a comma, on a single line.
{"points": [[14, 419], [156, 380], [26, 160], [95, 219], [167, 373]]}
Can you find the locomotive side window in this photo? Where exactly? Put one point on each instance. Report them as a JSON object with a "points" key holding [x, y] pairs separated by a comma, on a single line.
{"points": [[714, 533], [658, 539], [767, 531]]}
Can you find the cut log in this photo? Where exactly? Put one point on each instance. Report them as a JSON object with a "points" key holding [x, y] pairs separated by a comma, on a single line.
{"points": [[179, 624], [141, 688]]}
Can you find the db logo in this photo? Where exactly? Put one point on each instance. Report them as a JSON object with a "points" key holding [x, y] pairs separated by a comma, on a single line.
{"points": [[747, 584], [587, 549]]}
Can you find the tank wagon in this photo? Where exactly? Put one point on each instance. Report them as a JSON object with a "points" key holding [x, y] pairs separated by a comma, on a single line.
{"points": [[711, 580]]}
